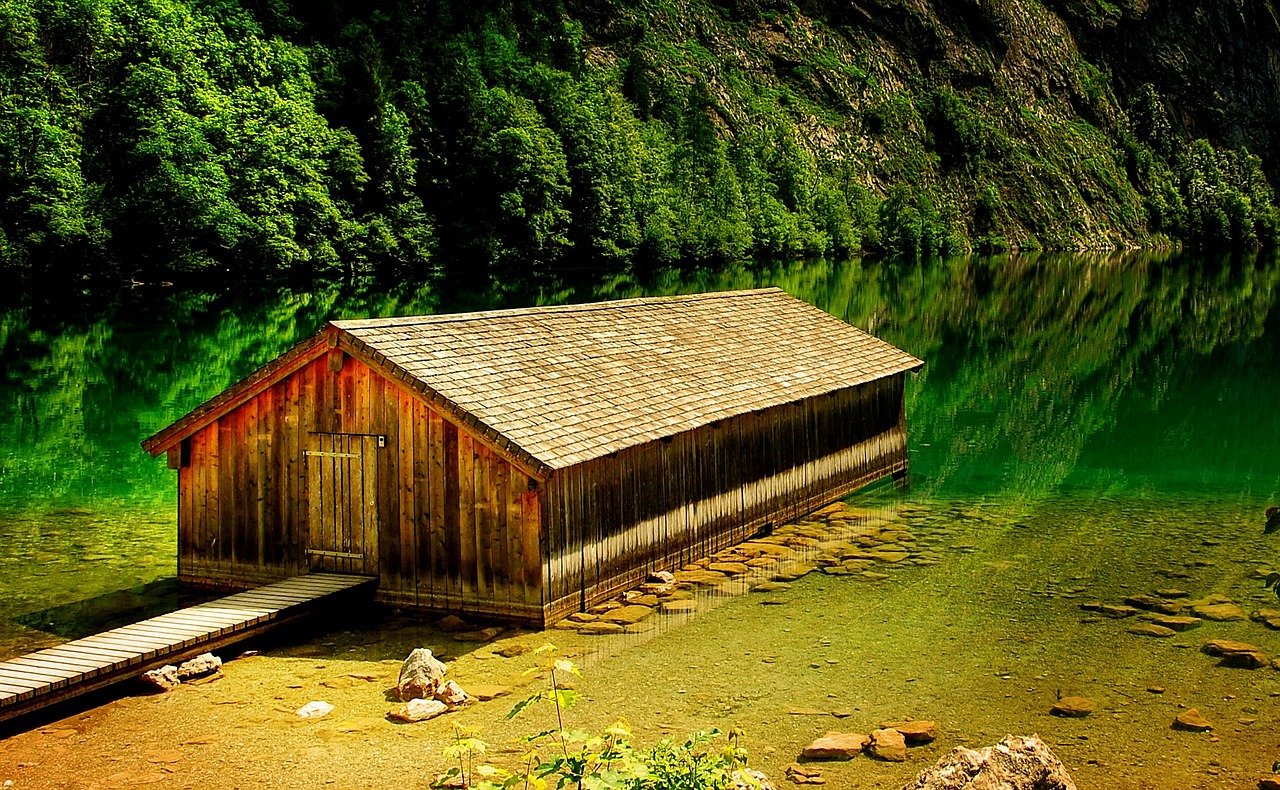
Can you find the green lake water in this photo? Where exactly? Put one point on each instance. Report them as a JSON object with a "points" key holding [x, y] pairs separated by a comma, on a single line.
{"points": [[1085, 428]]}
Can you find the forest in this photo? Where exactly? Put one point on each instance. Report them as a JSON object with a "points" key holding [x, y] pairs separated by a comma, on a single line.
{"points": [[224, 140]]}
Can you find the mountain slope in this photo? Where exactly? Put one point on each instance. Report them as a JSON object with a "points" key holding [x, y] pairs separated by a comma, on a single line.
{"points": [[151, 138]]}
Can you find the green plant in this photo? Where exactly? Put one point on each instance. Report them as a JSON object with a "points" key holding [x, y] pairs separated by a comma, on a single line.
{"points": [[608, 761]]}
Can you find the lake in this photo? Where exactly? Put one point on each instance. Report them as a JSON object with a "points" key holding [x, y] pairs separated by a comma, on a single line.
{"points": [[1086, 428]]}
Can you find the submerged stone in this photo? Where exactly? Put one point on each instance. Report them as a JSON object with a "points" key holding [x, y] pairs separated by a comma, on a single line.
{"points": [[1192, 721], [1225, 612], [915, 732], [1151, 629], [1073, 707], [888, 745], [836, 746], [1181, 623]]}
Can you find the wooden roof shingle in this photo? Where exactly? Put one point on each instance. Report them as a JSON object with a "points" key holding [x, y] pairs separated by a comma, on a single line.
{"points": [[575, 382], [567, 384]]}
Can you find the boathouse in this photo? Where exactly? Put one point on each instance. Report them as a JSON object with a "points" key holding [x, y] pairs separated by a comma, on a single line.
{"points": [[525, 464]]}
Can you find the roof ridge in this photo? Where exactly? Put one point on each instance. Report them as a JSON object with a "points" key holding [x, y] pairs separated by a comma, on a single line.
{"points": [[582, 307]]}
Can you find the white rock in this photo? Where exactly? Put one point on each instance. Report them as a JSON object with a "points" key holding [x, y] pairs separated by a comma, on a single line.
{"points": [[419, 710], [450, 693], [314, 710], [203, 664]]}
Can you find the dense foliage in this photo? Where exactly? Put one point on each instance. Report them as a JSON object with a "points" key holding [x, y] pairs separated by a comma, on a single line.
{"points": [[152, 138]]}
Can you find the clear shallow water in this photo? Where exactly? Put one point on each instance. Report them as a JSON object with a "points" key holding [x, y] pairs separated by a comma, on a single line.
{"points": [[1085, 427]]}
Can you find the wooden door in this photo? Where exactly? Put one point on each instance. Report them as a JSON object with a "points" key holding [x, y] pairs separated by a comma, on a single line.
{"points": [[342, 494]]}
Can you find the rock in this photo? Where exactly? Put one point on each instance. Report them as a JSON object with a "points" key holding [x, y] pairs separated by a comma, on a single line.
{"points": [[451, 623], [915, 732], [203, 664], [750, 779], [626, 615], [1016, 763], [701, 578], [873, 576], [1245, 659], [1221, 647], [802, 775], [1191, 720], [487, 691], [678, 606], [729, 568], [599, 629], [478, 635], [1172, 593], [1073, 707], [889, 556], [1153, 604], [512, 650], [731, 589], [836, 746], [314, 710], [662, 577], [451, 694], [1151, 629], [420, 675], [888, 745], [771, 587], [1268, 617], [1224, 612], [1181, 623], [582, 617], [1269, 783], [1112, 610], [418, 710], [164, 678]]}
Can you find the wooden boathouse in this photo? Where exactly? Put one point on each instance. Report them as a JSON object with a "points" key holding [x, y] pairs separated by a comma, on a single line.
{"points": [[525, 464]]}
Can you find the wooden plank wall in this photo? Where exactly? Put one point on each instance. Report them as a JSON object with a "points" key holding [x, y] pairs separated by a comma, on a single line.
{"points": [[611, 521], [459, 525]]}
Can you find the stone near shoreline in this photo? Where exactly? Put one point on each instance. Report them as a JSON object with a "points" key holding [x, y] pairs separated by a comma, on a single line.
{"points": [[1151, 629], [1179, 623], [420, 675], [164, 678], [418, 710], [836, 746], [1155, 604], [803, 775], [888, 744], [916, 732], [1240, 655], [1222, 612], [1073, 707], [1268, 617], [626, 615], [1016, 763], [1192, 721], [203, 664]]}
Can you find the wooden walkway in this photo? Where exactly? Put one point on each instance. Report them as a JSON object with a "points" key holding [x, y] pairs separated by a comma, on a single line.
{"points": [[58, 673]]}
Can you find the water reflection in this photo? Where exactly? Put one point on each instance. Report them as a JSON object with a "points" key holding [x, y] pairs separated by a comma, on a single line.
{"points": [[1047, 375]]}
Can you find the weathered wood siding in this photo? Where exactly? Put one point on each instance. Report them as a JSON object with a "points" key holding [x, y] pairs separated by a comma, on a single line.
{"points": [[660, 505], [446, 521]]}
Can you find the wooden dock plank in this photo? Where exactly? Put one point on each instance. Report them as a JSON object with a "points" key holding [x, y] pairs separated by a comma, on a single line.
{"points": [[53, 674], [45, 673], [38, 660], [19, 682]]}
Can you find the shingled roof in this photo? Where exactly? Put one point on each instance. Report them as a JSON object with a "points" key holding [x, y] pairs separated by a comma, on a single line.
{"points": [[567, 384]]}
